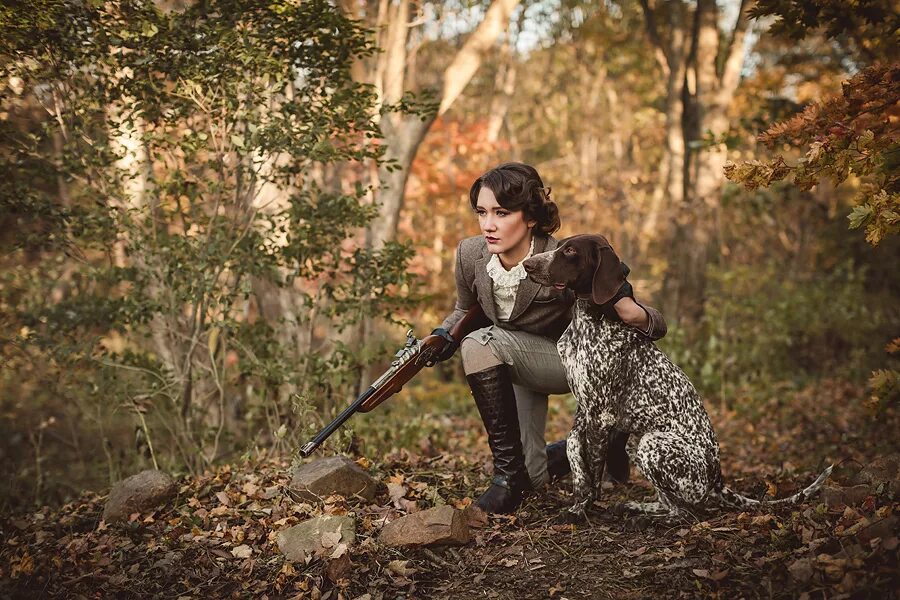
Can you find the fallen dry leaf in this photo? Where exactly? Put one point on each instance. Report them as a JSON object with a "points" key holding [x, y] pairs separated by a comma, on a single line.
{"points": [[396, 491], [330, 539], [401, 568], [339, 551]]}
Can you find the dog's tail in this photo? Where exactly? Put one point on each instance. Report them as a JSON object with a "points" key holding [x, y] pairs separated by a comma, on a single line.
{"points": [[731, 498]]}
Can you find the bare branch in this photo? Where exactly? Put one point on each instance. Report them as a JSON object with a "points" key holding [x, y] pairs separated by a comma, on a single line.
{"points": [[734, 53], [469, 58], [663, 57]]}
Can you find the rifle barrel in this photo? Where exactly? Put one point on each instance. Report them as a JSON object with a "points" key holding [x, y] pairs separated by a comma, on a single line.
{"points": [[310, 447]]}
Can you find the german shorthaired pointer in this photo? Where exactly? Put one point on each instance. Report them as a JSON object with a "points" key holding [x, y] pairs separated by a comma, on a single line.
{"points": [[622, 380]]}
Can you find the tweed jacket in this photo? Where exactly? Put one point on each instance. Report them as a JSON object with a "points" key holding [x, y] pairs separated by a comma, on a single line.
{"points": [[540, 310]]}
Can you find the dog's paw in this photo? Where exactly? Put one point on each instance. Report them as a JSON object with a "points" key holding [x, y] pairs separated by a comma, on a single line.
{"points": [[569, 517]]}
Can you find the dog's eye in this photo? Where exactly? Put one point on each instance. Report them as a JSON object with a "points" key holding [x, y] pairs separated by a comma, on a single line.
{"points": [[569, 251]]}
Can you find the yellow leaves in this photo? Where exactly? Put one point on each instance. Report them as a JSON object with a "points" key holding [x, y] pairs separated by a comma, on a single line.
{"points": [[866, 139], [816, 149], [754, 174], [23, 566], [764, 521], [883, 210], [885, 387], [237, 533], [836, 567], [461, 504]]}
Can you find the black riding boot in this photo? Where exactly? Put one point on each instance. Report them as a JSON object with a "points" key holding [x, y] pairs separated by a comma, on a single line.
{"points": [[496, 402], [557, 461], [617, 468]]}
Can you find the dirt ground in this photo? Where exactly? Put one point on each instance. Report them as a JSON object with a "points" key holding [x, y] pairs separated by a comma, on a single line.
{"points": [[217, 538]]}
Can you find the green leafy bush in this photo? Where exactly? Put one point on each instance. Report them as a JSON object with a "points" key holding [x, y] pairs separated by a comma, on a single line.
{"points": [[762, 329], [185, 191]]}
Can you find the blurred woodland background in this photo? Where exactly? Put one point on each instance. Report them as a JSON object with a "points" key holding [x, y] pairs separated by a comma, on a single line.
{"points": [[218, 218]]}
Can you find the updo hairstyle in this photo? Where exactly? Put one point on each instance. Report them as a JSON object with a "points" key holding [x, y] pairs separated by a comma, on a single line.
{"points": [[518, 186]]}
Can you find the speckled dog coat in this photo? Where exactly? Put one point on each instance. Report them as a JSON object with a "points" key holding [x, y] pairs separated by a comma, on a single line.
{"points": [[621, 379]]}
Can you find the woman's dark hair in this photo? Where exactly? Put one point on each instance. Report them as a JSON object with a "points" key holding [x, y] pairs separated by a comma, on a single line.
{"points": [[518, 186]]}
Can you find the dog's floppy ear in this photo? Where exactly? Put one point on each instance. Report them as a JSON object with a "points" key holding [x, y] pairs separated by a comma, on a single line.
{"points": [[608, 275]]}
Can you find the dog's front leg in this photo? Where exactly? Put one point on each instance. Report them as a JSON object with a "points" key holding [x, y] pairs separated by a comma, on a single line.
{"points": [[586, 449]]}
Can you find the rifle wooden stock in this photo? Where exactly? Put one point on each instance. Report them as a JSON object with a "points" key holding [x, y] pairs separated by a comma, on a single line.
{"points": [[472, 320]]}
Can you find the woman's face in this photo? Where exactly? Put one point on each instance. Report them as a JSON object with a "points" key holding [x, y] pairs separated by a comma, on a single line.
{"points": [[506, 232]]}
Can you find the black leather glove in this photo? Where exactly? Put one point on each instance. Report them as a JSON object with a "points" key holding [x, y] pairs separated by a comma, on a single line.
{"points": [[625, 291], [449, 348]]}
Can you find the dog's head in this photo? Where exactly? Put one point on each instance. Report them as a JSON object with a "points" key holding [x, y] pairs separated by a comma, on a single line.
{"points": [[585, 263]]}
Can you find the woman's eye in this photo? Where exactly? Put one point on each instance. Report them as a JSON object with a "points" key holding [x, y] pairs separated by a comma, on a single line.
{"points": [[502, 213]]}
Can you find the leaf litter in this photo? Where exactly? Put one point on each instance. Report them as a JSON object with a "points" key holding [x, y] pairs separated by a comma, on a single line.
{"points": [[218, 537]]}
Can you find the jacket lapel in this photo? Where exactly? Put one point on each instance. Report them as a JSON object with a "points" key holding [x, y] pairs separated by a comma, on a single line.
{"points": [[484, 286], [528, 289]]}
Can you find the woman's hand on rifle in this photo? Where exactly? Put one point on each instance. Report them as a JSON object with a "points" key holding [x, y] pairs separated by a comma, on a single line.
{"points": [[447, 351]]}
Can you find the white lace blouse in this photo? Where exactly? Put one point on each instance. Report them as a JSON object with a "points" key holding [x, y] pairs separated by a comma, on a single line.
{"points": [[506, 283]]}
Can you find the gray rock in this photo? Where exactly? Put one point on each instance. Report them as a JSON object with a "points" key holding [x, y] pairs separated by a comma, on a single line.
{"points": [[440, 525], [332, 475], [883, 470], [834, 495], [316, 537], [138, 493]]}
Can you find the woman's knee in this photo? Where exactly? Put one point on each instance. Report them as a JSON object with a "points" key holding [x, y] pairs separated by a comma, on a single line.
{"points": [[477, 356]]}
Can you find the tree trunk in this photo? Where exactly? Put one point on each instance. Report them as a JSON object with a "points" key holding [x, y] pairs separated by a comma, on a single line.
{"points": [[700, 88], [402, 133], [672, 56], [504, 86]]}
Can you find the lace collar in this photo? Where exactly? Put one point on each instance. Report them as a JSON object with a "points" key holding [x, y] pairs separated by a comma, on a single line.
{"points": [[503, 278]]}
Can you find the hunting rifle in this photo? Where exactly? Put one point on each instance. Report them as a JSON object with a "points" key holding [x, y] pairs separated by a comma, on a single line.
{"points": [[408, 361]]}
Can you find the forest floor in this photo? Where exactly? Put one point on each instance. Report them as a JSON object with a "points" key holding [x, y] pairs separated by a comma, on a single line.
{"points": [[216, 539]]}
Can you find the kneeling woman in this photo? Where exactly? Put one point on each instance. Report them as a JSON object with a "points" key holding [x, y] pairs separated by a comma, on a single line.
{"points": [[512, 365]]}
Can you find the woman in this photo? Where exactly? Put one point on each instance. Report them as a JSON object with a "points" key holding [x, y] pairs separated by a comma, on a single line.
{"points": [[512, 365]]}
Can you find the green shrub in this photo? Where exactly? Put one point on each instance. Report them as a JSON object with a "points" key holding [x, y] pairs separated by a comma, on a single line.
{"points": [[762, 329]]}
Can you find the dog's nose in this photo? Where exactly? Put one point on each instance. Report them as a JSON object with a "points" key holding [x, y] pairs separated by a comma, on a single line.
{"points": [[528, 266]]}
